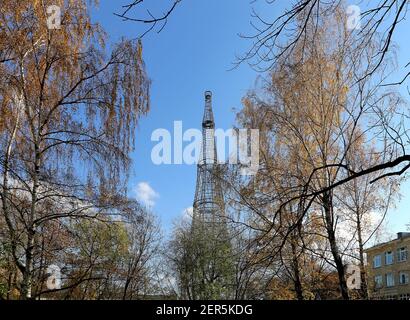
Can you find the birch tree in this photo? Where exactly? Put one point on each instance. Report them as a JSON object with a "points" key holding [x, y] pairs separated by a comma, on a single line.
{"points": [[69, 109], [312, 110]]}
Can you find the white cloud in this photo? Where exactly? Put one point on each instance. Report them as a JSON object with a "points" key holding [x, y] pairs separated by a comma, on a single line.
{"points": [[145, 194], [346, 230], [187, 213]]}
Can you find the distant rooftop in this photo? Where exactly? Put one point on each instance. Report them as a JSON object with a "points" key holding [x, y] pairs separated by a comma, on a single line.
{"points": [[400, 236]]}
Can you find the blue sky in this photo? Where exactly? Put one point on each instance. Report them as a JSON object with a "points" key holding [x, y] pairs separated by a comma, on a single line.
{"points": [[192, 54]]}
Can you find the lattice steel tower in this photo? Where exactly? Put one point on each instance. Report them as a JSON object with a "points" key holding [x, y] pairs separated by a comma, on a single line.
{"points": [[208, 203], [211, 268]]}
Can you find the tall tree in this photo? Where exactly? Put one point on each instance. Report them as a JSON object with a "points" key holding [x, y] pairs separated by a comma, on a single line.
{"points": [[312, 112], [69, 112], [203, 260], [365, 206], [373, 25]]}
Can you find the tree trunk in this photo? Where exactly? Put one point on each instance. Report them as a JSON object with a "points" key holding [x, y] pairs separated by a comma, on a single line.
{"points": [[363, 280], [296, 272], [26, 286], [27, 275], [329, 217]]}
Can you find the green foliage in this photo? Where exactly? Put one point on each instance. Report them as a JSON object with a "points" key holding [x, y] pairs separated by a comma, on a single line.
{"points": [[104, 239], [205, 263]]}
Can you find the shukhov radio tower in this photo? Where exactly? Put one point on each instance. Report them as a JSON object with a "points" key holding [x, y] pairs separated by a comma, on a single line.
{"points": [[212, 273], [208, 204]]}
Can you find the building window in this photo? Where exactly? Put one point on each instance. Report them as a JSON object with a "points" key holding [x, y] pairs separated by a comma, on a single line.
{"points": [[404, 278], [378, 281], [377, 261], [389, 257], [389, 280], [402, 254], [405, 296]]}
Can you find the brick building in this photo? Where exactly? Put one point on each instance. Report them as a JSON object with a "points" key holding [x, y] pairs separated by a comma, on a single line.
{"points": [[388, 269]]}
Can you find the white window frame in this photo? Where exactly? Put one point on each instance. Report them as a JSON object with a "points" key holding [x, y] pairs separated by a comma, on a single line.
{"points": [[377, 261], [389, 279], [402, 254], [388, 258], [406, 275]]}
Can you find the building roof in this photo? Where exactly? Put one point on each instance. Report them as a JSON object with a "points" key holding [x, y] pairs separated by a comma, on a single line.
{"points": [[400, 236]]}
